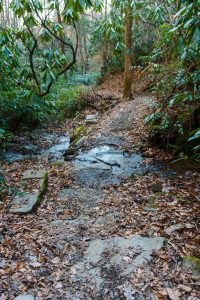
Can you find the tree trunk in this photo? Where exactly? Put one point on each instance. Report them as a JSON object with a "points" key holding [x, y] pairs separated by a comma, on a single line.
{"points": [[105, 44], [128, 49], [62, 46], [86, 52]]}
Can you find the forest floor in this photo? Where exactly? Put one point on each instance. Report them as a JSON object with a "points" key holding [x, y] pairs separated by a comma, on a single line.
{"points": [[116, 222]]}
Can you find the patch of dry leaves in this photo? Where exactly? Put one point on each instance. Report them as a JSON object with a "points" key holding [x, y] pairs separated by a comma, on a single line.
{"points": [[35, 258]]}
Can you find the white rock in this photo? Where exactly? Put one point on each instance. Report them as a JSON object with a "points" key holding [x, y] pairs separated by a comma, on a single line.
{"points": [[24, 297], [91, 119]]}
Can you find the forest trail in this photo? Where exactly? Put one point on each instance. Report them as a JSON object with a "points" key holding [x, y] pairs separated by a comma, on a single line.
{"points": [[113, 224]]}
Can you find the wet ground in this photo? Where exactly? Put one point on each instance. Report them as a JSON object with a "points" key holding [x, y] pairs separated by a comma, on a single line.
{"points": [[101, 222]]}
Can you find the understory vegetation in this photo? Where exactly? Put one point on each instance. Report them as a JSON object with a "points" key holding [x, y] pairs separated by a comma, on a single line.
{"points": [[50, 54]]}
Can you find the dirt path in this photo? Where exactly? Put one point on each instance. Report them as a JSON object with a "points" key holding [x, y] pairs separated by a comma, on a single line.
{"points": [[112, 225]]}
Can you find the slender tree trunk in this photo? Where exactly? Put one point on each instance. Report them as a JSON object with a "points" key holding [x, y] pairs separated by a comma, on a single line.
{"points": [[86, 53], [128, 49], [62, 46], [105, 44]]}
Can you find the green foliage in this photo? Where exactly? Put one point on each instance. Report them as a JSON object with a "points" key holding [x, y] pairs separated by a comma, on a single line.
{"points": [[90, 78], [175, 76], [66, 99], [26, 58], [22, 107], [3, 185]]}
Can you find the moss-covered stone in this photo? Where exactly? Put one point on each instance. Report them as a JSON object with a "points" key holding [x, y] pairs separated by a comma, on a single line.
{"points": [[77, 133], [193, 263], [57, 163]]}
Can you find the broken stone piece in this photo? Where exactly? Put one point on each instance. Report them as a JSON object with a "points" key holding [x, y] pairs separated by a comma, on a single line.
{"points": [[28, 202], [23, 204], [24, 297], [33, 174], [178, 227], [150, 208], [91, 119]]}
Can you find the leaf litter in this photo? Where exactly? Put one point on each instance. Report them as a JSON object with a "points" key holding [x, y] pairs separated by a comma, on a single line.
{"points": [[40, 252]]}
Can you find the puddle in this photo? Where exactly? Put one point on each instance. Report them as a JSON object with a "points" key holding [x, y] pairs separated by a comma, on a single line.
{"points": [[57, 150], [11, 156], [57, 146]]}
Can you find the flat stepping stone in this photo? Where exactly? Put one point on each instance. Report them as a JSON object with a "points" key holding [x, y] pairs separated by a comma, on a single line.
{"points": [[28, 202], [124, 254], [91, 119], [33, 174], [24, 204], [24, 297]]}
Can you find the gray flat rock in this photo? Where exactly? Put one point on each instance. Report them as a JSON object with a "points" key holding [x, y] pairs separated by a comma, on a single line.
{"points": [[33, 174], [24, 297], [95, 165], [149, 208], [91, 119], [23, 204], [178, 227], [120, 163], [83, 195], [123, 254]]}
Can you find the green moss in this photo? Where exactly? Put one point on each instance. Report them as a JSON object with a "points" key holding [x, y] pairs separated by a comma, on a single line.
{"points": [[194, 261], [77, 133], [57, 163], [152, 199], [80, 129], [152, 205], [43, 188]]}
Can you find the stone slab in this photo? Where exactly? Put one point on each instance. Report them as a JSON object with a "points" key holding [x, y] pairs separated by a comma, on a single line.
{"points": [[123, 254], [23, 204], [24, 297], [33, 174], [91, 119]]}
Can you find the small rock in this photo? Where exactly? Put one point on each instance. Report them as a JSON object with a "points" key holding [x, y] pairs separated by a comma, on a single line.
{"points": [[58, 285], [24, 297], [149, 208], [91, 119], [184, 288], [192, 264], [173, 294], [157, 187], [178, 227]]}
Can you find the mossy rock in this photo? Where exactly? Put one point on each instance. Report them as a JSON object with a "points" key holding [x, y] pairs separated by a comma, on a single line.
{"points": [[193, 263], [57, 163], [77, 133]]}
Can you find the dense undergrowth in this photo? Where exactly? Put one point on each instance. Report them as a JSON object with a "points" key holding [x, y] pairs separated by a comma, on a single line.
{"points": [[22, 109], [175, 78]]}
